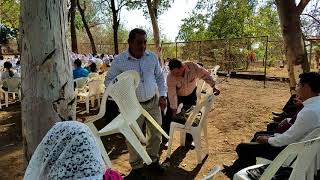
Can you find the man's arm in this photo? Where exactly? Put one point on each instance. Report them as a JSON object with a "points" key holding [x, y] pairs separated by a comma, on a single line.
{"points": [[113, 72], [205, 75], [172, 92], [160, 79], [306, 121]]}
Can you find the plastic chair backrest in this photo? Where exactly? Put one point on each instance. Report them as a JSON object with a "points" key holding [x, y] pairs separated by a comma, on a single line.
{"points": [[122, 89], [96, 87], [214, 72], [205, 106], [81, 82], [200, 87], [13, 84], [306, 152]]}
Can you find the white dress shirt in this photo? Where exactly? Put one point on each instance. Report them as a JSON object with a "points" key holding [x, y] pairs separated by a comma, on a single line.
{"points": [[148, 66], [307, 120]]}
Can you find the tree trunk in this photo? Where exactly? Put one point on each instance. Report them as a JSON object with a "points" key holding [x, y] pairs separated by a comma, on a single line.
{"points": [[74, 44], [152, 9], [296, 54], [47, 84], [115, 27], [85, 24]]}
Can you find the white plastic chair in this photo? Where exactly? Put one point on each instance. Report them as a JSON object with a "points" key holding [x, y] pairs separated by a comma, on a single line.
{"points": [[81, 84], [305, 152], [95, 91], [204, 106], [13, 85], [122, 90]]}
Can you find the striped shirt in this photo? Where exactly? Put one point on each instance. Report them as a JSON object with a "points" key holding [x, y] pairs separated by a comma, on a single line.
{"points": [[148, 66]]}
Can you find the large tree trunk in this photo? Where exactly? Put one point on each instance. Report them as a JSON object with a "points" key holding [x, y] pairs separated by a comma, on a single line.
{"points": [[115, 27], [296, 54], [153, 8], [85, 24], [74, 44], [47, 84]]}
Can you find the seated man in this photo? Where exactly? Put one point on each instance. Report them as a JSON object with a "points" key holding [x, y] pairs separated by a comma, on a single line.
{"points": [[78, 71], [270, 146], [181, 82]]}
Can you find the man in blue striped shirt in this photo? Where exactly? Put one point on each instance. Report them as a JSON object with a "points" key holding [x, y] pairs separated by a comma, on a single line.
{"points": [[152, 81]]}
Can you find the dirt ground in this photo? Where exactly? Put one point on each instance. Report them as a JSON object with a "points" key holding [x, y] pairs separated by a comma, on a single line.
{"points": [[242, 108]]}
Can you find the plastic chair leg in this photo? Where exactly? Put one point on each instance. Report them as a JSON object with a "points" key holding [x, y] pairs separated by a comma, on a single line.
{"points": [[135, 127], [182, 138], [170, 141], [205, 134], [87, 105], [92, 101], [104, 153], [197, 143], [135, 143], [6, 97]]}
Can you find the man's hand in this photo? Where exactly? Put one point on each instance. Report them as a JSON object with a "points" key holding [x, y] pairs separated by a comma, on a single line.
{"points": [[216, 91], [174, 112], [162, 102], [263, 139]]}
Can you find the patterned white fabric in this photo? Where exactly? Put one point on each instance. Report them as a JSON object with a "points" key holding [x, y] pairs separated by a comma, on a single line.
{"points": [[68, 151]]}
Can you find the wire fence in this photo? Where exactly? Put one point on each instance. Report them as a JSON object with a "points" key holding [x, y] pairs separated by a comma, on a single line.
{"points": [[251, 57]]}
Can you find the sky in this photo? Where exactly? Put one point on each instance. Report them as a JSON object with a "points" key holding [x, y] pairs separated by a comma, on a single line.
{"points": [[169, 22]]}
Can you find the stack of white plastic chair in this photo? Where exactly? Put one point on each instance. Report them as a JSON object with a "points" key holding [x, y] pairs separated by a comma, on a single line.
{"points": [[95, 91], [122, 90], [195, 129], [13, 85], [302, 157]]}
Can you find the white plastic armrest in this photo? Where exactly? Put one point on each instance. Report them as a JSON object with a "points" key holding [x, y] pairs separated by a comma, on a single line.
{"points": [[260, 160]]}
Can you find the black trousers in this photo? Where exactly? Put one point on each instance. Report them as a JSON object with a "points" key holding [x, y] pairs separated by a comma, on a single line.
{"points": [[247, 153], [187, 101], [112, 111]]}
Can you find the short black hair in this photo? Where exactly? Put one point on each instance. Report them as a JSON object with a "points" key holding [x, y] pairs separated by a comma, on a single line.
{"points": [[174, 63], [312, 79], [93, 67], [77, 62], [134, 32]]}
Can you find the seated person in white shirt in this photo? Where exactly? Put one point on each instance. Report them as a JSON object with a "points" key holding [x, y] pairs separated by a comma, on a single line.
{"points": [[7, 73], [269, 147]]}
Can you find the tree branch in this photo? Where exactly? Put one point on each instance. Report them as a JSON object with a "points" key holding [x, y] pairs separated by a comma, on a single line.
{"points": [[302, 5], [315, 19]]}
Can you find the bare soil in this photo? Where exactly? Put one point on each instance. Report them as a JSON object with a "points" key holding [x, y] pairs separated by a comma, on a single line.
{"points": [[242, 108]]}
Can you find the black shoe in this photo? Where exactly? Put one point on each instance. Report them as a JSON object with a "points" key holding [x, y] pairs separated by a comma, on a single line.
{"points": [[156, 168], [280, 114], [136, 174], [189, 145], [228, 171]]}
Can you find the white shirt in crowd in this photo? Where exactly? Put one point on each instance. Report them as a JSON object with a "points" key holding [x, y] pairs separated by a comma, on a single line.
{"points": [[307, 120]]}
